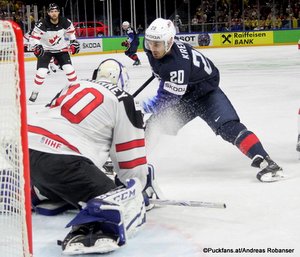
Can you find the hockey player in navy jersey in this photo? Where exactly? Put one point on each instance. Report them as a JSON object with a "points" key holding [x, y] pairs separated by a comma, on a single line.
{"points": [[132, 43], [70, 141], [48, 39], [189, 87]]}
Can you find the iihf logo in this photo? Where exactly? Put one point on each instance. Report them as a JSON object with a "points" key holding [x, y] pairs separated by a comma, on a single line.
{"points": [[51, 143]]}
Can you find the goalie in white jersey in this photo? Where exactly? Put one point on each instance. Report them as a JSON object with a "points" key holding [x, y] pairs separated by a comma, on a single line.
{"points": [[71, 139]]}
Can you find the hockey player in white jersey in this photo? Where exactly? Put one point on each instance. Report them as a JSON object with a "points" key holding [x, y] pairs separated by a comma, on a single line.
{"points": [[69, 142], [48, 39]]}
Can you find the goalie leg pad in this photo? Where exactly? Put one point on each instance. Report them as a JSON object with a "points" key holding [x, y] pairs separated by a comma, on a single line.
{"points": [[118, 214]]}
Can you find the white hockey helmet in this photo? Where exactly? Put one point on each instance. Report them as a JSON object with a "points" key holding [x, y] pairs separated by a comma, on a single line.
{"points": [[114, 72], [125, 25], [161, 30]]}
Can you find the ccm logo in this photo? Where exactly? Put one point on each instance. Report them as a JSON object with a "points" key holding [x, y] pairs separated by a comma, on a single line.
{"points": [[125, 195]]}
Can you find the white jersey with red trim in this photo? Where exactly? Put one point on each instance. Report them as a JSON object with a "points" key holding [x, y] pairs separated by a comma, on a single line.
{"points": [[53, 36], [95, 120]]}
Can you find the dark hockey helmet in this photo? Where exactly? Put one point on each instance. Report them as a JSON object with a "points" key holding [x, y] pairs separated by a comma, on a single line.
{"points": [[203, 39], [53, 6]]}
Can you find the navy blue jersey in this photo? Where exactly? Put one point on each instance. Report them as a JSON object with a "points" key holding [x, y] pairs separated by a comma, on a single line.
{"points": [[183, 71], [133, 37]]}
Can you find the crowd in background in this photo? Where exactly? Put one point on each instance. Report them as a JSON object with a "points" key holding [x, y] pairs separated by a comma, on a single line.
{"points": [[16, 11], [209, 16], [235, 15]]}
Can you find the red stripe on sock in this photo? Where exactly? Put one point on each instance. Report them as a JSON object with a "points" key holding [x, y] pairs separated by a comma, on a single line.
{"points": [[248, 142], [38, 82], [39, 77], [73, 79], [71, 73]]}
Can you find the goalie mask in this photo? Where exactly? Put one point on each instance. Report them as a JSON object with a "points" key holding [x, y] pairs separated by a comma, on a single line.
{"points": [[160, 31], [114, 72]]}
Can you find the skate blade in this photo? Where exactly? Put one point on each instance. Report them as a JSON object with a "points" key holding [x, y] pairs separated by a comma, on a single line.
{"points": [[269, 177], [102, 245]]}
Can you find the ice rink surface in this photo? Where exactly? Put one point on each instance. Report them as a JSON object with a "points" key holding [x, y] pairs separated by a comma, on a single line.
{"points": [[263, 85]]}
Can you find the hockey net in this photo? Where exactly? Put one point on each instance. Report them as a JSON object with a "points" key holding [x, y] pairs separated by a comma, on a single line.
{"points": [[15, 207]]}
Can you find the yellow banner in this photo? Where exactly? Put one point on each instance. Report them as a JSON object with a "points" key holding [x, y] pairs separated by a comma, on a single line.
{"points": [[247, 38]]}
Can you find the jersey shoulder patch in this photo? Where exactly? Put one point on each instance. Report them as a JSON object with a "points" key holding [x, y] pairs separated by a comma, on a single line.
{"points": [[41, 24]]}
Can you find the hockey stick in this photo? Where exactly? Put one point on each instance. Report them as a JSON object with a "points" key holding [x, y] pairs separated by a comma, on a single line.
{"points": [[167, 202], [146, 83], [64, 50]]}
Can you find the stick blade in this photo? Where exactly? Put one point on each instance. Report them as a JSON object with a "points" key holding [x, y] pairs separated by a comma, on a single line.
{"points": [[167, 202]]}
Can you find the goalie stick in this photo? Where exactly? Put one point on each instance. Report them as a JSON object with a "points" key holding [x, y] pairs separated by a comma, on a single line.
{"points": [[146, 83], [166, 202]]}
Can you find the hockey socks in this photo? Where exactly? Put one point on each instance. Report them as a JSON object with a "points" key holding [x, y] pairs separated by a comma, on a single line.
{"points": [[249, 144]]}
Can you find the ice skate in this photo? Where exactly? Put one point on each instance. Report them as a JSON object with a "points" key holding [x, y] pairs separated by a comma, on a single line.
{"points": [[137, 63], [33, 96], [109, 167], [85, 239], [270, 171]]}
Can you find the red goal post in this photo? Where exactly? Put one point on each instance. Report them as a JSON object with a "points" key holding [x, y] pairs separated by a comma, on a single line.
{"points": [[15, 204]]}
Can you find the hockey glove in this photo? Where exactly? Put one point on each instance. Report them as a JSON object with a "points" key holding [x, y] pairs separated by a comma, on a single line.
{"points": [[74, 47], [38, 50], [125, 43], [149, 105]]}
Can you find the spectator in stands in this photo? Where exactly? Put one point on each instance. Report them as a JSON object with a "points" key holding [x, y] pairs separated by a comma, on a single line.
{"points": [[294, 22], [140, 29], [195, 20], [178, 23]]}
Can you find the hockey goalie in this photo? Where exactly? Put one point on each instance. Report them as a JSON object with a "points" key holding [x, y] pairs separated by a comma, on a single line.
{"points": [[70, 141]]}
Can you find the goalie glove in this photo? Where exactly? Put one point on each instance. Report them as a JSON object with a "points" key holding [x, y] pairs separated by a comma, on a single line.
{"points": [[74, 47], [125, 43], [38, 50]]}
